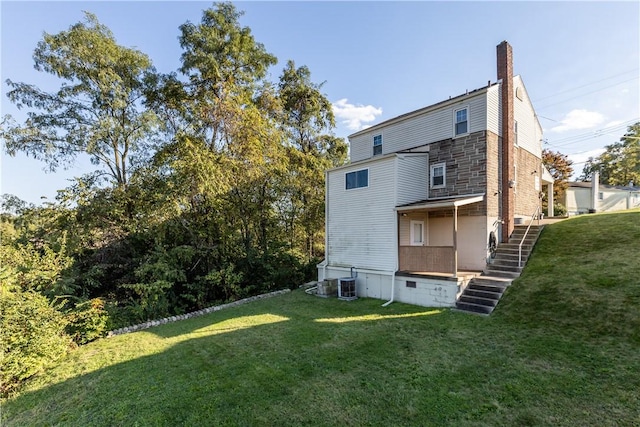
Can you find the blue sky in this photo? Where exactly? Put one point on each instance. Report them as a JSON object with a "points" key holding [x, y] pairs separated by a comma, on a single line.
{"points": [[579, 60]]}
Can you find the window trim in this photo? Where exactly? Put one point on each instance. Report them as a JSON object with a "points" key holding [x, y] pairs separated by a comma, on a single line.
{"points": [[412, 235], [442, 165], [377, 145], [455, 121], [356, 174]]}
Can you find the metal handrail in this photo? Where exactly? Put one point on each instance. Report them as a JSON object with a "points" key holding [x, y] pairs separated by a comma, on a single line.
{"points": [[536, 215]]}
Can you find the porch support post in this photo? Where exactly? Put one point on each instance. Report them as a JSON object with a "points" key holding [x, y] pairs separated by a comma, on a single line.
{"points": [[455, 241], [550, 200]]}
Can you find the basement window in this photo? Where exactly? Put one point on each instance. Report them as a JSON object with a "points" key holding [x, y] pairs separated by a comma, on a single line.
{"points": [[411, 284]]}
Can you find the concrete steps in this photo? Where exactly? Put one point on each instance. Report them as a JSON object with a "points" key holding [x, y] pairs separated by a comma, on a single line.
{"points": [[483, 293]]}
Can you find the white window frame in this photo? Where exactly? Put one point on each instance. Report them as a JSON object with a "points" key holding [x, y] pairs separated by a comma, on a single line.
{"points": [[413, 236], [356, 172], [455, 121], [442, 165], [377, 145], [515, 133]]}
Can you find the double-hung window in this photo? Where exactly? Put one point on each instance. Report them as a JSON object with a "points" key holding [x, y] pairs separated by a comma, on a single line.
{"points": [[461, 121], [417, 233], [438, 175], [377, 145], [357, 179]]}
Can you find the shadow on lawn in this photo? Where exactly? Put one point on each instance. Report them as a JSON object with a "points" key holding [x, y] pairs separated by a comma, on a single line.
{"points": [[232, 366]]}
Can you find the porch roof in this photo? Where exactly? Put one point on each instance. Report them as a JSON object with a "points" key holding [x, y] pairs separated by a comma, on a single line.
{"points": [[441, 202]]}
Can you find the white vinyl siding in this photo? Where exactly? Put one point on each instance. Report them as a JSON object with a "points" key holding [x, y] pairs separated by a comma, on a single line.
{"points": [[413, 178], [529, 131], [361, 224], [494, 118], [419, 129]]}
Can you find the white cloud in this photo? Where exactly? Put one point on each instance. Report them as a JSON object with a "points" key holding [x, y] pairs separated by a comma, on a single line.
{"points": [[579, 119], [355, 116]]}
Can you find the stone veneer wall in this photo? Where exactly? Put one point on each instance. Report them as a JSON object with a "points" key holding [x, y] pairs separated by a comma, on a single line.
{"points": [[527, 197], [466, 170]]}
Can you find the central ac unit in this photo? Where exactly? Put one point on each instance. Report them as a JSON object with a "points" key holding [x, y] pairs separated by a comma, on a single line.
{"points": [[347, 288]]}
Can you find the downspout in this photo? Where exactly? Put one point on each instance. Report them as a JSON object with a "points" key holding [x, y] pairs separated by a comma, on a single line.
{"points": [[393, 288], [393, 273]]}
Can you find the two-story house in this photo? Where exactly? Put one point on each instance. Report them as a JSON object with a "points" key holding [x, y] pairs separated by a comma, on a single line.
{"points": [[425, 193]]}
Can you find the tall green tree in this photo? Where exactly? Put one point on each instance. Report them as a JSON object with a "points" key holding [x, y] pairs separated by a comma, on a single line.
{"points": [[223, 160], [307, 120], [98, 108], [224, 66], [620, 162]]}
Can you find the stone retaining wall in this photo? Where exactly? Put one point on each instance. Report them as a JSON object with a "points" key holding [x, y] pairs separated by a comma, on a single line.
{"points": [[207, 310]]}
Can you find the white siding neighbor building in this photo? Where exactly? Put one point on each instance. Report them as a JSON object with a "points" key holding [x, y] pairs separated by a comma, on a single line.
{"points": [[591, 197]]}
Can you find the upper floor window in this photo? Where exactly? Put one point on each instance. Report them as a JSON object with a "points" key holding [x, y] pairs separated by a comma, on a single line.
{"points": [[515, 132], [357, 179], [377, 145], [462, 123], [438, 175]]}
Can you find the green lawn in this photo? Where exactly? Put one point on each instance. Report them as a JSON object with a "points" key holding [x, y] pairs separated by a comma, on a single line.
{"points": [[561, 349]]}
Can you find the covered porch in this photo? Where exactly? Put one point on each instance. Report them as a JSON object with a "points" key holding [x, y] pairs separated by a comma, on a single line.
{"points": [[430, 246]]}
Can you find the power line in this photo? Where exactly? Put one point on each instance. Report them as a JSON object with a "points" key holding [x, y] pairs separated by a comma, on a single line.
{"points": [[613, 128], [586, 84], [586, 93], [563, 142]]}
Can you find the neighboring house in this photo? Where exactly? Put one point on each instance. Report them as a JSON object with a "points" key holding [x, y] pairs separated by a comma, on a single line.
{"points": [[589, 197], [413, 213]]}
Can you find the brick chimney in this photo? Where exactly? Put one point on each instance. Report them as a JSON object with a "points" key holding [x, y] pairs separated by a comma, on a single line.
{"points": [[505, 73]]}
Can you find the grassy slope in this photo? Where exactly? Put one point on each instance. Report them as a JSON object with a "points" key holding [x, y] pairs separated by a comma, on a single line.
{"points": [[562, 348]]}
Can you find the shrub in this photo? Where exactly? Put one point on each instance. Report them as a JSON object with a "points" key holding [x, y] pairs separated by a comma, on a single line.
{"points": [[87, 321], [33, 337], [147, 301], [559, 209]]}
